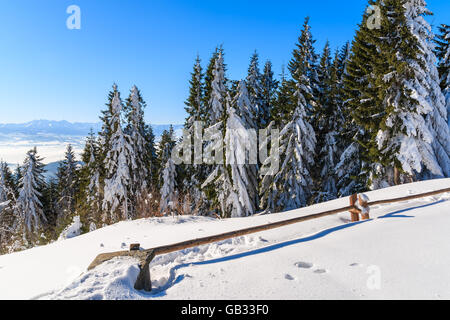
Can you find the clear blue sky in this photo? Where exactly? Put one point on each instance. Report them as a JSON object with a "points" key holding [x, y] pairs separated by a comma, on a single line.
{"points": [[50, 72]]}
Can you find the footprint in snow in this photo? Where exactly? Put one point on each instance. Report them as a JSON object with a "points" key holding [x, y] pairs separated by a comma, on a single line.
{"points": [[305, 265], [288, 277], [320, 271]]}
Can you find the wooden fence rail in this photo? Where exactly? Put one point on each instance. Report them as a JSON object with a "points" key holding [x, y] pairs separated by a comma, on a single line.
{"points": [[143, 281]]}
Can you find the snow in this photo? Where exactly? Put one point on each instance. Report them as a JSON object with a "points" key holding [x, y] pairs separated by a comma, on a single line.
{"points": [[72, 230], [400, 253]]}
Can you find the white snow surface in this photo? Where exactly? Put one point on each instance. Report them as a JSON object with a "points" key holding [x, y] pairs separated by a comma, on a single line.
{"points": [[72, 230], [401, 253]]}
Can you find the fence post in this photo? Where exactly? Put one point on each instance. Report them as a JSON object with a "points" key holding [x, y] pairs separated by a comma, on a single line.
{"points": [[143, 281], [364, 204], [354, 211]]}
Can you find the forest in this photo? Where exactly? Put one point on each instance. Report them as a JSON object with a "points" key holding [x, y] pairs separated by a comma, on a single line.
{"points": [[371, 114]]}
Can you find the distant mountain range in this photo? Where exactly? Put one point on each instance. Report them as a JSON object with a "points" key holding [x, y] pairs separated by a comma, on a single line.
{"points": [[51, 138], [47, 128]]}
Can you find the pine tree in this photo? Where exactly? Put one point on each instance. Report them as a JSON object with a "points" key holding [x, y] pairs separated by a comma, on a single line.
{"points": [[255, 91], [219, 184], [7, 203], [29, 206], [326, 117], [362, 111], [6, 183], [442, 52], [216, 108], [194, 103], [285, 102], [195, 172], [269, 88], [141, 177], [291, 187], [349, 165], [118, 163], [164, 153], [51, 207], [208, 83], [302, 67], [240, 136], [413, 137], [67, 187], [168, 202], [216, 115], [443, 56], [89, 197]]}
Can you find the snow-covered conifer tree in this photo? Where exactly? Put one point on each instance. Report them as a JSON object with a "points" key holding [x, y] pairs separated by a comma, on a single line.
{"points": [[216, 108], [443, 54], [303, 67], [269, 87], [6, 182], [240, 144], [414, 137], [67, 187], [291, 186], [140, 175], [255, 91], [168, 191], [196, 172], [29, 206], [119, 160]]}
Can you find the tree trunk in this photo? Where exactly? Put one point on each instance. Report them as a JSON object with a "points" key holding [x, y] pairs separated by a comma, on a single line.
{"points": [[396, 176]]}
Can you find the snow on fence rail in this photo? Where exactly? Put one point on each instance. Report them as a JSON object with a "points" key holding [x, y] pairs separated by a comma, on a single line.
{"points": [[359, 205]]}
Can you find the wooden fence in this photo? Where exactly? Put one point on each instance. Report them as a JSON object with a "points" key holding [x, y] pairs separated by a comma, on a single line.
{"points": [[359, 206]]}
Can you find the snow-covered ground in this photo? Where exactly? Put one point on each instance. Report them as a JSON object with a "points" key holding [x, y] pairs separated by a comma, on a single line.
{"points": [[402, 253]]}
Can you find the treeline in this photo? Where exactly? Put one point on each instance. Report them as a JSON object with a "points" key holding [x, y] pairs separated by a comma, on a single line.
{"points": [[372, 114]]}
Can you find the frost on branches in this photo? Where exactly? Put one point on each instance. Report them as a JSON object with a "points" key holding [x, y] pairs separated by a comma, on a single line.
{"points": [[29, 206], [119, 160]]}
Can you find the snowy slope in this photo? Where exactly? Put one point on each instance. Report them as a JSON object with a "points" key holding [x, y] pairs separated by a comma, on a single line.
{"points": [[402, 253]]}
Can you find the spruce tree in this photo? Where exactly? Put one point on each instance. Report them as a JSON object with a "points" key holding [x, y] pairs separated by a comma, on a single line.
{"points": [[169, 194], [285, 102], [302, 67], [255, 91], [443, 55], [67, 187], [119, 161], [442, 52], [7, 203], [291, 186], [194, 103], [240, 138], [216, 108], [413, 137], [89, 196], [195, 172], [136, 130], [362, 110], [269, 88], [29, 209], [6, 183], [326, 119], [208, 82]]}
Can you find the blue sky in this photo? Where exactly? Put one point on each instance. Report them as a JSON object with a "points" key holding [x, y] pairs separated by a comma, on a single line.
{"points": [[51, 72]]}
